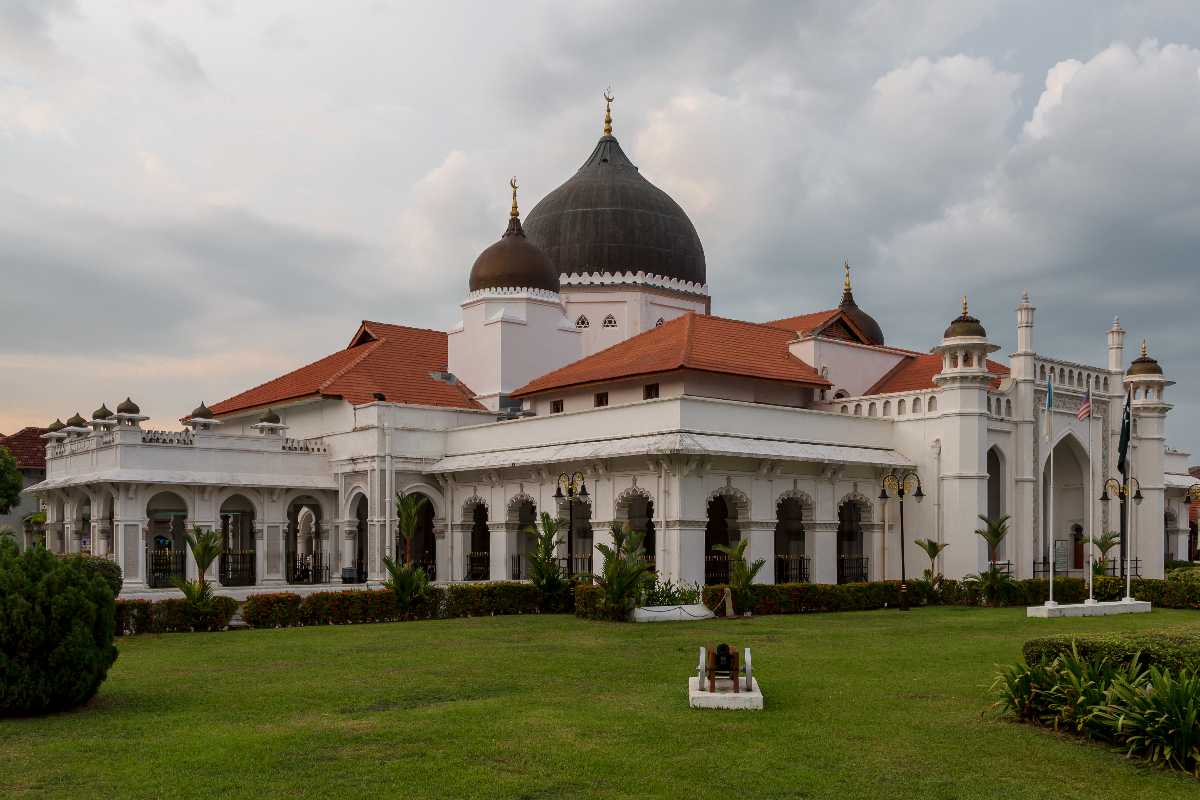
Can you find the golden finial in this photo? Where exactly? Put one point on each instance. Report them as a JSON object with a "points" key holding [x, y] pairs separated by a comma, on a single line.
{"points": [[965, 306], [513, 183], [608, 98], [846, 280], [1145, 353]]}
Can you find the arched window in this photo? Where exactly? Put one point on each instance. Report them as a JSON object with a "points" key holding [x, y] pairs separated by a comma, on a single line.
{"points": [[1008, 408], [1042, 374], [582, 322], [967, 359], [609, 322], [845, 409], [1062, 375], [900, 408], [887, 408], [954, 360], [1070, 377], [931, 406], [916, 405], [871, 410], [858, 409], [1106, 384], [659, 324]]}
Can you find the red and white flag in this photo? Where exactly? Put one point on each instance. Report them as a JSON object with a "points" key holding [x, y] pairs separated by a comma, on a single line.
{"points": [[1085, 410]]}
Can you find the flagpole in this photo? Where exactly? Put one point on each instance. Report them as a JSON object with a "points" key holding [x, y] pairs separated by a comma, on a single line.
{"points": [[1129, 504], [1091, 509], [1050, 520]]}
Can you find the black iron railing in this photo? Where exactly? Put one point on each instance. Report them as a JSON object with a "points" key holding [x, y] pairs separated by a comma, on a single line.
{"points": [[716, 569], [852, 569], [1003, 566], [237, 568], [1111, 567], [791, 569], [356, 572], [163, 566], [307, 568], [519, 567], [575, 565], [478, 566]]}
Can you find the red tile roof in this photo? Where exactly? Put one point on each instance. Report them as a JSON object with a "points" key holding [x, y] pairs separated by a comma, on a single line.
{"points": [[805, 323], [693, 341], [394, 360], [28, 447], [917, 371]]}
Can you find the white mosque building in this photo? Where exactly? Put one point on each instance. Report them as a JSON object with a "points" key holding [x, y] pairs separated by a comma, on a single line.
{"points": [[587, 360]]}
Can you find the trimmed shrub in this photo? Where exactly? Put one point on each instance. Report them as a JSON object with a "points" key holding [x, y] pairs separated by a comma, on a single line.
{"points": [[110, 571], [56, 631], [134, 616], [275, 610], [173, 615], [802, 598], [488, 599], [589, 601], [1171, 650]]}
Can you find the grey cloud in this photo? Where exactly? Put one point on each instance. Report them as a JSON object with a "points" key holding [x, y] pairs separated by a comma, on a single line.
{"points": [[170, 57], [25, 24]]}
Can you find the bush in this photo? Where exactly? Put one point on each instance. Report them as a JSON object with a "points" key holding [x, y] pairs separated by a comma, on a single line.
{"points": [[276, 610], [1157, 716], [489, 599], [668, 593], [110, 571], [589, 601], [56, 631], [802, 598], [173, 615], [1166, 649]]}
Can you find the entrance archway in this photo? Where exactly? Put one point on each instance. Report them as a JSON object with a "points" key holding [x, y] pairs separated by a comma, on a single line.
{"points": [[852, 566], [305, 558], [727, 508], [423, 545], [996, 500], [1069, 509], [166, 547], [238, 545], [355, 571], [791, 562], [575, 520], [636, 510], [479, 564]]}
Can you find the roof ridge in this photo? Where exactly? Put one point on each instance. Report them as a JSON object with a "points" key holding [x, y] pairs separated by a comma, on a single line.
{"points": [[689, 329], [883, 379], [367, 349]]}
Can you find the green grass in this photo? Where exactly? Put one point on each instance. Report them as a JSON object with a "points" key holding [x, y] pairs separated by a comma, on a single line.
{"points": [[873, 704]]}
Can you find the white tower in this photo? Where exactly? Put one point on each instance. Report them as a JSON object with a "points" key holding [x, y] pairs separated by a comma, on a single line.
{"points": [[1148, 445]]}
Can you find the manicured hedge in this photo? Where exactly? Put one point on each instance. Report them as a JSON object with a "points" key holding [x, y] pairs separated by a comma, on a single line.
{"points": [[589, 601], [1172, 650], [275, 610], [173, 615], [110, 571]]}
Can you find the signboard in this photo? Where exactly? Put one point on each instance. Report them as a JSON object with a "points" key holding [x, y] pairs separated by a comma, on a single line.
{"points": [[1060, 555]]}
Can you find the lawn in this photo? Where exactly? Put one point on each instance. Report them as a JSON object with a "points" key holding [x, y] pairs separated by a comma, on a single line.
{"points": [[871, 704]]}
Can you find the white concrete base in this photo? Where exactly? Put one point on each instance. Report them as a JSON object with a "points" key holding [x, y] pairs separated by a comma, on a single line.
{"points": [[1089, 609], [724, 697], [672, 613]]}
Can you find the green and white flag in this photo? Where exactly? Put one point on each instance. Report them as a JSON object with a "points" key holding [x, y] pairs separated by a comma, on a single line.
{"points": [[1123, 447], [1048, 424]]}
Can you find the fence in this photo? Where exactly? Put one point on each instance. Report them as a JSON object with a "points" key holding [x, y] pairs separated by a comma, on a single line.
{"points": [[852, 569], [237, 568], [791, 569], [163, 565]]}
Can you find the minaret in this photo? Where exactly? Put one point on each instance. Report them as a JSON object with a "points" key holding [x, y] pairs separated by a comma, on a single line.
{"points": [[964, 382], [1116, 347], [1023, 366], [1149, 442]]}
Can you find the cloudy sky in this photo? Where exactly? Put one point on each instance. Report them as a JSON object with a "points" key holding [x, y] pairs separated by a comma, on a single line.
{"points": [[196, 197]]}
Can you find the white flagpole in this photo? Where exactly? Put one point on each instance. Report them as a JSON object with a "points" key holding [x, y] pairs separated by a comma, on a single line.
{"points": [[1050, 520], [1129, 504], [1091, 511]]}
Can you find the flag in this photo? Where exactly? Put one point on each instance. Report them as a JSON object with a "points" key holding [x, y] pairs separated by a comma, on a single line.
{"points": [[1049, 408], [1085, 410], [1123, 447]]}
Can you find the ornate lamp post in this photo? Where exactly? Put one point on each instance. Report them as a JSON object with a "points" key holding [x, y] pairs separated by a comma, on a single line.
{"points": [[1193, 496], [1124, 491], [902, 484], [569, 488]]}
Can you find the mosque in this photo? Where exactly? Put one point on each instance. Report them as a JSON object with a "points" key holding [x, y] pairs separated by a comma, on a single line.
{"points": [[589, 379]]}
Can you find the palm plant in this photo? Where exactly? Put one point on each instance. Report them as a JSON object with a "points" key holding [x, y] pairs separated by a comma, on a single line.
{"points": [[544, 570], [408, 515], [995, 586], [625, 571], [1104, 543], [932, 549], [993, 532], [205, 546], [741, 573], [407, 582]]}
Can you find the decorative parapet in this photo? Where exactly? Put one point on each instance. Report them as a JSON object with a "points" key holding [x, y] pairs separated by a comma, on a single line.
{"points": [[514, 293], [1073, 376], [176, 438], [316, 445], [631, 278]]}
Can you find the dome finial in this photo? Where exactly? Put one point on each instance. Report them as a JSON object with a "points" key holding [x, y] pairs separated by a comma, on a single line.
{"points": [[1144, 351], [513, 183], [846, 280], [608, 99], [965, 314]]}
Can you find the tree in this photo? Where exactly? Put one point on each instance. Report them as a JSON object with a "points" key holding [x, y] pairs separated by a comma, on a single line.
{"points": [[205, 546], [624, 573], [11, 481], [407, 582], [993, 532], [1105, 543], [933, 550], [408, 515], [544, 570], [741, 573]]}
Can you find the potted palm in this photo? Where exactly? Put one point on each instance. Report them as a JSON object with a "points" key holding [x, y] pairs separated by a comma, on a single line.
{"points": [[741, 573]]}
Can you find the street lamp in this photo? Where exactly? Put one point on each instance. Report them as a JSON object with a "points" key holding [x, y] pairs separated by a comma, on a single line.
{"points": [[1193, 496], [1123, 491], [569, 488], [908, 483]]}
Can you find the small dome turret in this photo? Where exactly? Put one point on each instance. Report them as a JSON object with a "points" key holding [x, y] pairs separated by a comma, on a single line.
{"points": [[1144, 364], [56, 426], [127, 406], [514, 262], [864, 321], [102, 413], [270, 418], [964, 325], [76, 421], [201, 412]]}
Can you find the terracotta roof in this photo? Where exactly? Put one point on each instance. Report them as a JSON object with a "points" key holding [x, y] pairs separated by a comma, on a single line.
{"points": [[28, 447], [394, 360], [806, 323], [917, 371], [693, 341]]}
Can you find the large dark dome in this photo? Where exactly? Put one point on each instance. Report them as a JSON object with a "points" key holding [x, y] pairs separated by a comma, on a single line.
{"points": [[608, 218], [513, 263]]}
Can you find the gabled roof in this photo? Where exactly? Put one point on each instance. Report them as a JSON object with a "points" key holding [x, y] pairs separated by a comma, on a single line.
{"points": [[693, 341], [27, 447], [917, 371], [835, 323], [393, 360]]}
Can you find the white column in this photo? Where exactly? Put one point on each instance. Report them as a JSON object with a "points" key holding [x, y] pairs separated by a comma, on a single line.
{"points": [[761, 534]]}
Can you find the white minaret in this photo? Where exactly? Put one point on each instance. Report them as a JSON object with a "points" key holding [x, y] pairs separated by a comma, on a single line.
{"points": [[1148, 444], [1116, 348], [1023, 364], [964, 381]]}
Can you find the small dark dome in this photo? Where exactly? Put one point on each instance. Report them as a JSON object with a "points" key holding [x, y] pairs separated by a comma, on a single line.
{"points": [[55, 427], [964, 325], [201, 412], [513, 263], [270, 418], [127, 406], [608, 218], [1144, 364], [77, 421], [102, 412]]}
